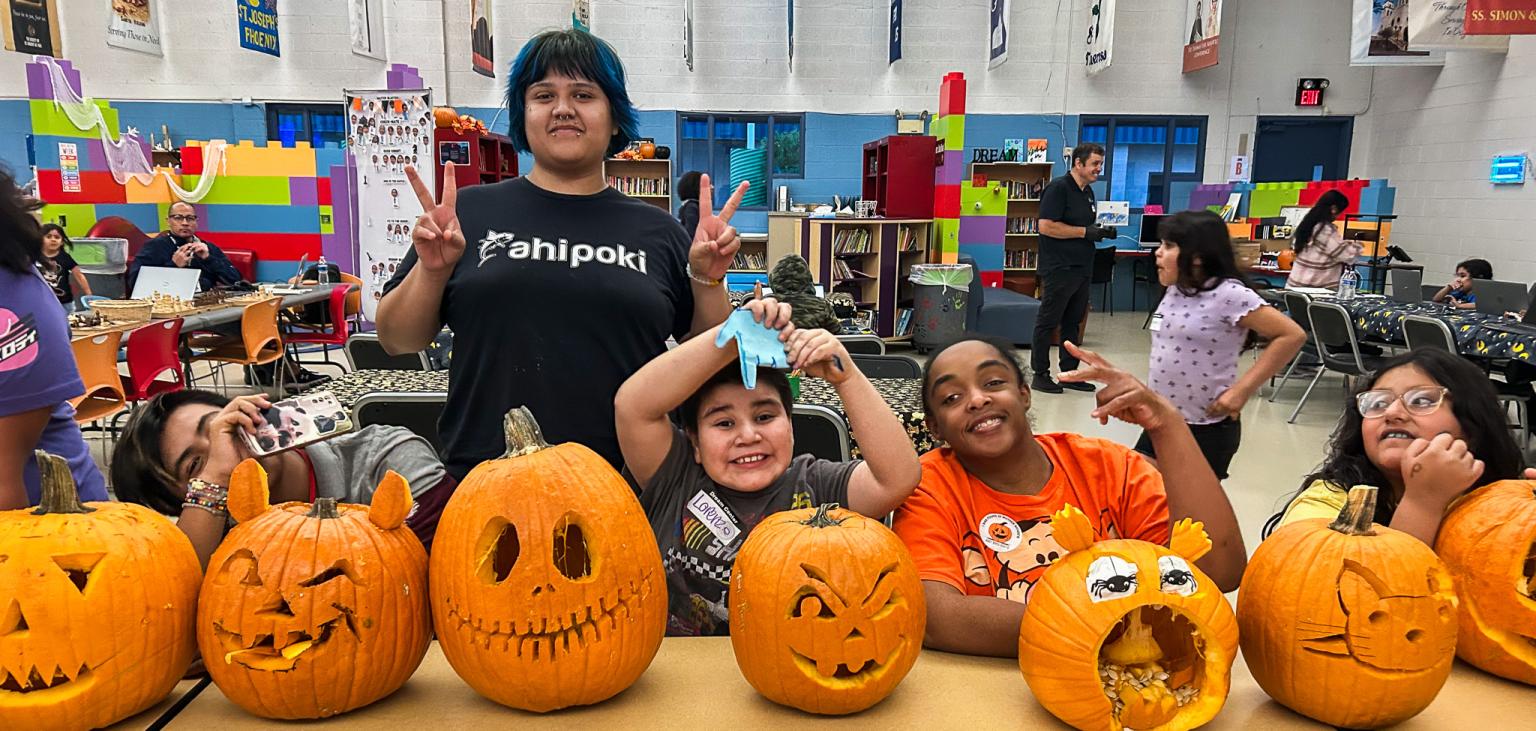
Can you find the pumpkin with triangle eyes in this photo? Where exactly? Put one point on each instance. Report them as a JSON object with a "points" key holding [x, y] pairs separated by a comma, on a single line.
{"points": [[309, 611], [96, 608], [547, 585], [1128, 634], [1488, 541]]}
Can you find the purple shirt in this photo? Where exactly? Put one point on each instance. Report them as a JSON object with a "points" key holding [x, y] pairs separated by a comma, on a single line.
{"points": [[37, 370], [1196, 344]]}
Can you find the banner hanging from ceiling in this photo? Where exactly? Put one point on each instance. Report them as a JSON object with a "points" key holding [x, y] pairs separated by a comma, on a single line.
{"points": [[1379, 36], [1101, 35], [894, 39], [581, 15], [134, 25], [688, 33], [997, 32], [258, 26], [1440, 25], [31, 26], [1202, 47], [1501, 17], [482, 44], [366, 20]]}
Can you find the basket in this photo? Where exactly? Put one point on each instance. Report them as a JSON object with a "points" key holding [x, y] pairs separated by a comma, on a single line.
{"points": [[123, 310]]}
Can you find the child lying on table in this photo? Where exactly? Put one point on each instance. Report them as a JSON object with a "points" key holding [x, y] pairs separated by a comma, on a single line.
{"points": [[979, 524], [706, 485]]}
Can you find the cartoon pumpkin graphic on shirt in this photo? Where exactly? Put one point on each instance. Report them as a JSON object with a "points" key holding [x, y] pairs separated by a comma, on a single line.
{"points": [[1023, 551]]}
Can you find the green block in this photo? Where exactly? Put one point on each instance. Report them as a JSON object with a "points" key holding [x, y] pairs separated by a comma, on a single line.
{"points": [[954, 135], [251, 190], [939, 126], [78, 217], [327, 224], [48, 119], [991, 200], [946, 234]]}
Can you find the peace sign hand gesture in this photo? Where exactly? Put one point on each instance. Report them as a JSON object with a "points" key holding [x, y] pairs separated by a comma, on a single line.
{"points": [[715, 241], [438, 240], [1124, 396]]}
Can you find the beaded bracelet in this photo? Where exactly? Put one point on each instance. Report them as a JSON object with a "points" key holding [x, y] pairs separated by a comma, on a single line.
{"points": [[688, 269], [206, 495]]}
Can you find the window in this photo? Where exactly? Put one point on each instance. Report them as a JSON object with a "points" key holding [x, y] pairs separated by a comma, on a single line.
{"points": [[315, 123], [760, 148], [1146, 154]]}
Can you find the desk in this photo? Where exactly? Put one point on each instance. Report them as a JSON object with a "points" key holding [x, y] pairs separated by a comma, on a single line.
{"points": [[1477, 334], [694, 683], [217, 316]]}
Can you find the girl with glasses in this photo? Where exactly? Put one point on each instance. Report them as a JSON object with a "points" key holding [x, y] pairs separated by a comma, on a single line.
{"points": [[1424, 429]]}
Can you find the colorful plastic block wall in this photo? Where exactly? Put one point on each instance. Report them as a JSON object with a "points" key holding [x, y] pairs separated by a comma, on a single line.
{"points": [[1265, 200], [967, 220]]}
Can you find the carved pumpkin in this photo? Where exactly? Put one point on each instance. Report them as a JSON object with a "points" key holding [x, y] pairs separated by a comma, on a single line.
{"points": [[444, 117], [96, 608], [1349, 623], [1128, 634], [827, 611], [310, 611], [1488, 541], [547, 585]]}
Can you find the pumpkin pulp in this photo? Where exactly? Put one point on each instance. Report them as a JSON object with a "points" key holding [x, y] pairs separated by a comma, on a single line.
{"points": [[1151, 664]]}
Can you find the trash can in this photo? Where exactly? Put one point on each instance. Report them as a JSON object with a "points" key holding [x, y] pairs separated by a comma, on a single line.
{"points": [[103, 261], [938, 312]]}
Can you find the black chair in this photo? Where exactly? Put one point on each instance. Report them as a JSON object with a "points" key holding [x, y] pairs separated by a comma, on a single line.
{"points": [[820, 432], [863, 344], [417, 411], [1104, 275], [364, 352], [888, 366], [1421, 331], [1296, 307], [1334, 329]]}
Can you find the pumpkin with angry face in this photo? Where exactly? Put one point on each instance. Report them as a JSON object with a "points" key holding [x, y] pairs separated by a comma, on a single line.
{"points": [[310, 611], [1348, 623], [547, 585], [96, 608], [1128, 634], [827, 611], [1488, 541]]}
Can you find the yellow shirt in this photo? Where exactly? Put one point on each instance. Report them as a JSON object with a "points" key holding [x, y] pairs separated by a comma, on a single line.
{"points": [[1321, 499]]}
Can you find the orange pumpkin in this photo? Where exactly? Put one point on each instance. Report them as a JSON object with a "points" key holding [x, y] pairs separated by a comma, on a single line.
{"points": [[96, 608], [827, 611], [444, 116], [1488, 541], [547, 585], [1128, 634], [647, 150], [1285, 259], [310, 611], [1349, 623]]}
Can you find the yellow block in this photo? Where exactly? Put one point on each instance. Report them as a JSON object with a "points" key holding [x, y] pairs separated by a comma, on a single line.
{"points": [[158, 190], [270, 159]]}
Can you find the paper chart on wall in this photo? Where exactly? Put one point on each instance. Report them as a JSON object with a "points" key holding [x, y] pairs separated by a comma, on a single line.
{"points": [[387, 130]]}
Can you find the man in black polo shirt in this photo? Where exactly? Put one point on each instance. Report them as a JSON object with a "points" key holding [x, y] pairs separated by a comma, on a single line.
{"points": [[1068, 233]]}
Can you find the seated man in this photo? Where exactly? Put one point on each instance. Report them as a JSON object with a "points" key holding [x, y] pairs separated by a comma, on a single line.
{"points": [[180, 247]]}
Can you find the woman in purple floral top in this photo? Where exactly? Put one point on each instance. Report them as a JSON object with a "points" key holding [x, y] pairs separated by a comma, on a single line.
{"points": [[1201, 327]]}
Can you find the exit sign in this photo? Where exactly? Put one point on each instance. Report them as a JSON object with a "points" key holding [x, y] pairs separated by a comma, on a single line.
{"points": [[1309, 92]]}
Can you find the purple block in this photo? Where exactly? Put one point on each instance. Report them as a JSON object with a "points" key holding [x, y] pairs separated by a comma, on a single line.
{"points": [[303, 191], [40, 82], [983, 229], [403, 76], [1213, 194], [340, 246]]}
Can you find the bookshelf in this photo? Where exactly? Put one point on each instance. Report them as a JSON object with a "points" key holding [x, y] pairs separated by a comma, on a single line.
{"points": [[491, 158], [646, 180], [898, 174], [870, 259], [752, 257], [1023, 181]]}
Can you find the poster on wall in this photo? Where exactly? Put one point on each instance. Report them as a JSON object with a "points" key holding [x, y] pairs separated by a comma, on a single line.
{"points": [[1101, 35], [258, 26], [365, 18], [894, 39], [482, 42], [1202, 48], [69, 167], [31, 26], [1440, 25], [1501, 17], [386, 130], [997, 32], [1379, 36], [134, 25]]}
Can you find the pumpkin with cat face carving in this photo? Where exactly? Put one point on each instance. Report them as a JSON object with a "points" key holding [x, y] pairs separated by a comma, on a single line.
{"points": [[1350, 623], [1489, 542]]}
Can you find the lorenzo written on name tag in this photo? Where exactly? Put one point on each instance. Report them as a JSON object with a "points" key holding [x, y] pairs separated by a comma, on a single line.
{"points": [[715, 517]]}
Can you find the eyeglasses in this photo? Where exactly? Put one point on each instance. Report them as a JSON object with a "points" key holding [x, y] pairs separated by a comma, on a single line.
{"points": [[182, 217], [1418, 401]]}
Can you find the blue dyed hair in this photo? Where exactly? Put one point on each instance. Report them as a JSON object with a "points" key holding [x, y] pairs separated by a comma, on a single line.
{"points": [[579, 55]]}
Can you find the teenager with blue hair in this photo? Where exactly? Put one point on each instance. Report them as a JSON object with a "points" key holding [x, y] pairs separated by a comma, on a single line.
{"points": [[557, 287]]}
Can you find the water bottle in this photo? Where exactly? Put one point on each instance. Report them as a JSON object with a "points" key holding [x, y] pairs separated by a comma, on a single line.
{"points": [[325, 272], [1348, 283]]}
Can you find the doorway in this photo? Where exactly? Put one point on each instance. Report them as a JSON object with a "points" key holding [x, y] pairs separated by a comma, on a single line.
{"points": [[1288, 149]]}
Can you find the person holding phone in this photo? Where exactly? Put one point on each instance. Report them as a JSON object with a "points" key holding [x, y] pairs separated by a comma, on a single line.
{"points": [[567, 286]]}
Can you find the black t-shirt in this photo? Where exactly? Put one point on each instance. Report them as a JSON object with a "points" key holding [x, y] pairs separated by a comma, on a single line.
{"points": [[56, 272], [1064, 202], [558, 300]]}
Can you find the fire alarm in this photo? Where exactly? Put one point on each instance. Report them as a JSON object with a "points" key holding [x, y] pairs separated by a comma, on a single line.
{"points": [[1309, 92]]}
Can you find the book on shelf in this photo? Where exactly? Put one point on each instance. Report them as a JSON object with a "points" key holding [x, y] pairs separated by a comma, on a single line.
{"points": [[1028, 189], [903, 322], [1021, 259], [841, 270], [629, 185], [750, 260], [1023, 225], [853, 241], [906, 236]]}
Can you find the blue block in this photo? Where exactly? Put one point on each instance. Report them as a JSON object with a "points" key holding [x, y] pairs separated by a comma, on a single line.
{"points": [[327, 156], [275, 271], [262, 219], [144, 215], [989, 257], [1378, 199], [1179, 193]]}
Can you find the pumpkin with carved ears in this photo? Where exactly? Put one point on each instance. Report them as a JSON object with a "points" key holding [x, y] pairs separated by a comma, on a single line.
{"points": [[308, 611], [827, 610], [1488, 541], [547, 585], [1349, 623], [1128, 634], [96, 608]]}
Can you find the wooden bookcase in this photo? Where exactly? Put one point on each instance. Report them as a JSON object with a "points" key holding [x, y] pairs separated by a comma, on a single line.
{"points": [[870, 259], [752, 257], [1021, 254], [491, 157], [646, 180], [898, 174]]}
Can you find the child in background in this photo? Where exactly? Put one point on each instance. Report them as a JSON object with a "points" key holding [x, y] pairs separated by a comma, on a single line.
{"points": [[59, 268], [1459, 293], [1426, 428], [706, 485]]}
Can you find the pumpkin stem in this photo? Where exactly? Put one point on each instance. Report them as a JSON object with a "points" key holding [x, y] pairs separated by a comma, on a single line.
{"points": [[523, 434], [324, 509], [1358, 512], [59, 493], [821, 519]]}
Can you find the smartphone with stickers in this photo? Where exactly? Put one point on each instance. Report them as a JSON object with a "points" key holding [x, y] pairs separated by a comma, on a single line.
{"points": [[298, 422]]}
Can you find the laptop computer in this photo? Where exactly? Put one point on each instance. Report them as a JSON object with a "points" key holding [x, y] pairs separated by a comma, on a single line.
{"points": [[173, 281], [1406, 285], [1495, 297]]}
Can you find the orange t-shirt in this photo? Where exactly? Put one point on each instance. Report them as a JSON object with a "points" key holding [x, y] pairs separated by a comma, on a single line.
{"points": [[990, 543]]}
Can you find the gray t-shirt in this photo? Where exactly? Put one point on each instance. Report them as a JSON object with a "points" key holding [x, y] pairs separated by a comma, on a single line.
{"points": [[700, 526], [350, 467]]}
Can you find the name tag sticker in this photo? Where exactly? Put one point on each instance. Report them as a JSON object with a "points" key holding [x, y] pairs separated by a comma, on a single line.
{"points": [[715, 518], [1156, 324]]}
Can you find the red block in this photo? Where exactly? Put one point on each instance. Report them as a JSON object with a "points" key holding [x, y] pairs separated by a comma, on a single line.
{"points": [[95, 187], [191, 160], [269, 247], [323, 191], [1350, 188], [946, 201], [991, 279], [952, 94]]}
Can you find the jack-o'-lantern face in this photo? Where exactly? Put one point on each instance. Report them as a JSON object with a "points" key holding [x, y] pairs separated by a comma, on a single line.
{"points": [[827, 611], [1488, 542], [547, 586], [1125, 633], [96, 608], [310, 611]]}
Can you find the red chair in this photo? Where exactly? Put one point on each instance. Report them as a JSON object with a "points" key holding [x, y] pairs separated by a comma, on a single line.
{"points": [[117, 227], [152, 353], [326, 337], [244, 262]]}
